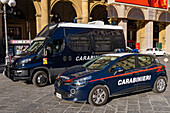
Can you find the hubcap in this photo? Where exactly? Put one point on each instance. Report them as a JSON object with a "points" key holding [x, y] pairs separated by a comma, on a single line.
{"points": [[41, 79], [161, 84], [99, 96]]}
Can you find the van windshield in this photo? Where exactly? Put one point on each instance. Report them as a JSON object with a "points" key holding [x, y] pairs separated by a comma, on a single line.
{"points": [[99, 62], [35, 45]]}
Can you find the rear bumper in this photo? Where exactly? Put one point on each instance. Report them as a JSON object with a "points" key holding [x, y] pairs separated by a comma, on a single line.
{"points": [[17, 74]]}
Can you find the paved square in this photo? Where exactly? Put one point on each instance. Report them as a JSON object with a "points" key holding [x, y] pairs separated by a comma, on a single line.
{"points": [[19, 97]]}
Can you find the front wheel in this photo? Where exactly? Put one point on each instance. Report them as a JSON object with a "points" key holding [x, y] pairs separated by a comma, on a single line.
{"points": [[160, 85], [98, 95], [40, 79]]}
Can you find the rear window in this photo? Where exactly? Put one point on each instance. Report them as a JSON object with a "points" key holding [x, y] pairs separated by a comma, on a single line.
{"points": [[145, 61], [149, 49]]}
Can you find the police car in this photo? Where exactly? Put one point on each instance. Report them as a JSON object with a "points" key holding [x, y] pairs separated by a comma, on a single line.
{"points": [[111, 75]]}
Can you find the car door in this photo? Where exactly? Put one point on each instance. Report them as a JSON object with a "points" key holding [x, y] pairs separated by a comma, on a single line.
{"points": [[121, 82], [157, 51], [145, 72]]}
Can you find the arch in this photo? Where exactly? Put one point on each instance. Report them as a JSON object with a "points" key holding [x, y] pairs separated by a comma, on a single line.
{"points": [[112, 12], [136, 13], [164, 16], [37, 7], [99, 12], [63, 11], [15, 13], [74, 4]]}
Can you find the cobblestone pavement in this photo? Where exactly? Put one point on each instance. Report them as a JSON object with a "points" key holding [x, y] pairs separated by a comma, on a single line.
{"points": [[19, 97]]}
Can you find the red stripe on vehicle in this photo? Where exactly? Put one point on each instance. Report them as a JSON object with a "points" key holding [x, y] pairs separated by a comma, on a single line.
{"points": [[128, 73], [160, 69]]}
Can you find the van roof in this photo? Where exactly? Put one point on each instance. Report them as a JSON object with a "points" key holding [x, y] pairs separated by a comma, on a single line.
{"points": [[93, 24]]}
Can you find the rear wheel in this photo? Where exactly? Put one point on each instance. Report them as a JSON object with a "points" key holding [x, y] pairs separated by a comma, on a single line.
{"points": [[98, 95], [164, 54], [160, 85], [154, 54], [40, 79]]}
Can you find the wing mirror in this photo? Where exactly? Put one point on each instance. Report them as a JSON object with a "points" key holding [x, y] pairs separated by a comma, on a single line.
{"points": [[118, 70]]}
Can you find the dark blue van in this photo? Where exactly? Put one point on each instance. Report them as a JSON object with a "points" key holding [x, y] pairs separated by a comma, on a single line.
{"points": [[63, 45], [111, 75]]}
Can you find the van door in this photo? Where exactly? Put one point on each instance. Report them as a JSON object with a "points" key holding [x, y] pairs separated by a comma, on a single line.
{"points": [[56, 56]]}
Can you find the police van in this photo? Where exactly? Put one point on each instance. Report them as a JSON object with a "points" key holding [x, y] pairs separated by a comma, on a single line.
{"points": [[63, 45]]}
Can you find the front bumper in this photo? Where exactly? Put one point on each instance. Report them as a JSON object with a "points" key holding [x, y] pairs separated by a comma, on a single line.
{"points": [[81, 92], [17, 74]]}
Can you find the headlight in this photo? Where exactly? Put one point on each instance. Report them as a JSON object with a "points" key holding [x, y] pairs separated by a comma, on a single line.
{"points": [[23, 61], [81, 81]]}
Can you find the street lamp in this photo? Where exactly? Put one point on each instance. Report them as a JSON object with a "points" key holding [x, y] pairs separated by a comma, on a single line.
{"points": [[11, 3]]}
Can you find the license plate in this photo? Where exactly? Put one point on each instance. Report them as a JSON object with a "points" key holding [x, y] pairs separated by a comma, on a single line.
{"points": [[58, 95]]}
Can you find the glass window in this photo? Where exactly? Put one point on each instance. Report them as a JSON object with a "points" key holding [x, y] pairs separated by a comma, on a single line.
{"points": [[107, 40], [144, 60], [156, 49], [127, 63], [55, 47], [99, 62], [35, 45], [79, 42]]}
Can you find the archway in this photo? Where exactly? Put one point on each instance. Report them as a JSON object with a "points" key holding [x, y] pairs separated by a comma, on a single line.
{"points": [[20, 18], [63, 12], [99, 12], [135, 27]]}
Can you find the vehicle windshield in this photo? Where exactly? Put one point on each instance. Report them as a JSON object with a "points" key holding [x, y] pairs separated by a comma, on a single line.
{"points": [[99, 63], [35, 45]]}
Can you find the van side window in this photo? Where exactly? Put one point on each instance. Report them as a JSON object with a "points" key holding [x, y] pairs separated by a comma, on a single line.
{"points": [[107, 40], [79, 42], [58, 46]]}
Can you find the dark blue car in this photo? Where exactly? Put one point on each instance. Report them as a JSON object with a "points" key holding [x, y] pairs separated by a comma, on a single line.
{"points": [[111, 75]]}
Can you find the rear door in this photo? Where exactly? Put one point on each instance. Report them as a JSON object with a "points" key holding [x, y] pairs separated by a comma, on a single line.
{"points": [[123, 82], [146, 71]]}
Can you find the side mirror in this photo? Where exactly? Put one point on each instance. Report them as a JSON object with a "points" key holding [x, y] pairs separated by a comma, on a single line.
{"points": [[118, 70]]}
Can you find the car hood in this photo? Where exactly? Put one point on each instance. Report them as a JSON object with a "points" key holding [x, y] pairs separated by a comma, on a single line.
{"points": [[76, 73]]}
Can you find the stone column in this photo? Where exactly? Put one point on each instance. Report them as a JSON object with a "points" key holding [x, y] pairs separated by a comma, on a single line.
{"points": [[162, 35], [149, 35], [124, 25], [140, 35], [44, 13], [167, 43], [38, 23], [85, 11], [138, 32]]}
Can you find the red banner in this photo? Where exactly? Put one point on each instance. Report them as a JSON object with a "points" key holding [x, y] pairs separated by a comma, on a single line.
{"points": [[150, 3]]}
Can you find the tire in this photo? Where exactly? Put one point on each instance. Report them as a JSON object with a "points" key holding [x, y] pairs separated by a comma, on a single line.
{"points": [[160, 85], [164, 54], [40, 79], [98, 96], [154, 55]]}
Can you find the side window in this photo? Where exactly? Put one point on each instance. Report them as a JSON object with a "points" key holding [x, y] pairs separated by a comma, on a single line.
{"points": [[144, 60], [55, 47], [79, 42], [127, 63], [58, 46], [156, 49]]}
